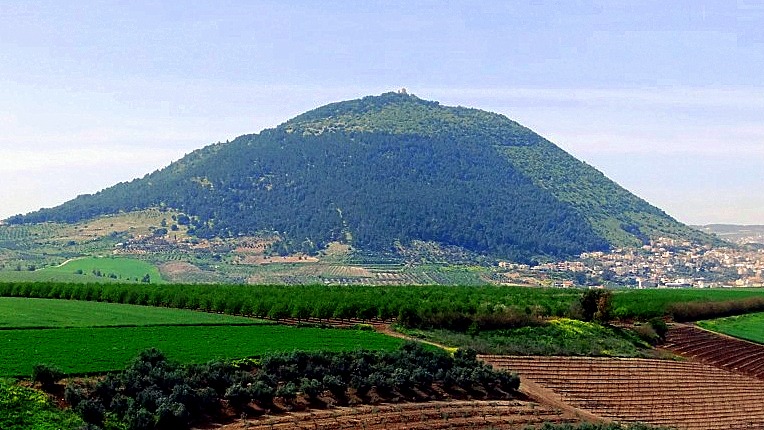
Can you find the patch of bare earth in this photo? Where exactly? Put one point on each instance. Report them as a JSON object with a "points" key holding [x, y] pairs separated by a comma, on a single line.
{"points": [[181, 271]]}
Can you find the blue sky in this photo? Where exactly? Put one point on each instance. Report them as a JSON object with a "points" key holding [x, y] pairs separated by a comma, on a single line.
{"points": [[666, 98]]}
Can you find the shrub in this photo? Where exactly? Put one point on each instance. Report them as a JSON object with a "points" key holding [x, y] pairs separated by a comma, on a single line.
{"points": [[171, 416], [311, 387], [238, 396], [91, 411], [660, 327], [335, 385], [647, 333], [73, 395], [262, 393], [287, 391], [46, 375]]}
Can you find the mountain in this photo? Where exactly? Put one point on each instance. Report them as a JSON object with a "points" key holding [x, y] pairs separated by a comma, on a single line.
{"points": [[383, 172]]}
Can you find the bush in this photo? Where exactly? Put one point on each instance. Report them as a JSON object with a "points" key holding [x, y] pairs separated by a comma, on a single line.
{"points": [[238, 396], [287, 391], [660, 327], [46, 376], [311, 387], [91, 411], [647, 333]]}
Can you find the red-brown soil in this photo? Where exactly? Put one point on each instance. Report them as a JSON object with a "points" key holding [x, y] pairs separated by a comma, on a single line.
{"points": [[377, 324], [717, 350], [466, 414], [684, 395]]}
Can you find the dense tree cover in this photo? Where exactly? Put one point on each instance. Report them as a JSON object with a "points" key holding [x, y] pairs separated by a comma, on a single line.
{"points": [[615, 214], [388, 170], [154, 393]]}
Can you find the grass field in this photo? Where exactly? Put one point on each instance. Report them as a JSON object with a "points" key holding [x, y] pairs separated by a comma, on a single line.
{"points": [[94, 268], [87, 350], [655, 302], [749, 327], [103, 336], [49, 313], [45, 275]]}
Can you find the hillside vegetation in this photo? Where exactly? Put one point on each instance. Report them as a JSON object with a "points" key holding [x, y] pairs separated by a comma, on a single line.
{"points": [[381, 173]]}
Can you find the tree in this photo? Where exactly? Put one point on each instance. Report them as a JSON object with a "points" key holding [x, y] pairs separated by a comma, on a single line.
{"points": [[596, 305]]}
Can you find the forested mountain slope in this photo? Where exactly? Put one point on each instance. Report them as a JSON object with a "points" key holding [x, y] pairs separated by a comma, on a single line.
{"points": [[383, 171]]}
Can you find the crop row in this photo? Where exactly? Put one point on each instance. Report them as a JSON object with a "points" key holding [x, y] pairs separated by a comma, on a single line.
{"points": [[471, 414]]}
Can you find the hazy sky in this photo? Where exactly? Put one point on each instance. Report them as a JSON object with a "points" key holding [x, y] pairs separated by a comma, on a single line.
{"points": [[666, 98]]}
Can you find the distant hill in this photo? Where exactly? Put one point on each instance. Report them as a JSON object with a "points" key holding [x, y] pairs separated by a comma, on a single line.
{"points": [[740, 234], [385, 171]]}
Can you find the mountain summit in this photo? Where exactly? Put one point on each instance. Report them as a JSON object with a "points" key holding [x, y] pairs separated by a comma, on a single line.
{"points": [[385, 171]]}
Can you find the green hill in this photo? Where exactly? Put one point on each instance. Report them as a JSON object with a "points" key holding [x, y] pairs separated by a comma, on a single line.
{"points": [[382, 172]]}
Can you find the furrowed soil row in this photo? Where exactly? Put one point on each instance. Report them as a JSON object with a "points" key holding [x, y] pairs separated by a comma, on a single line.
{"points": [[504, 414], [717, 350], [684, 395], [332, 322]]}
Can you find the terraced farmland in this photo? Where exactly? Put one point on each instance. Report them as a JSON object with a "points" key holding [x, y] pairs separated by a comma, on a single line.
{"points": [[684, 395], [717, 350]]}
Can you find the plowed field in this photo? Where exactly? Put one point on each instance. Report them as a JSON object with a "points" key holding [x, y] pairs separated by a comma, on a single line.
{"points": [[505, 414], [717, 350], [684, 395]]}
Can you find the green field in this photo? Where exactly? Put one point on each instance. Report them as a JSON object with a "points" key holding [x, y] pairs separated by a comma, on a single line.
{"points": [[46, 275], [102, 336], [749, 327], [47, 313], [92, 269], [86, 350], [651, 303], [557, 337]]}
